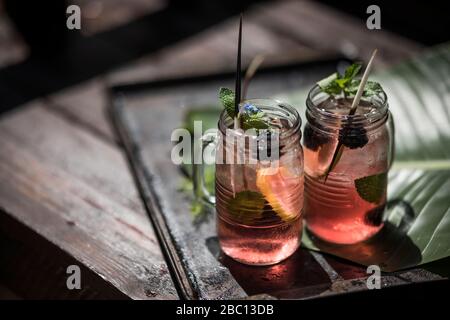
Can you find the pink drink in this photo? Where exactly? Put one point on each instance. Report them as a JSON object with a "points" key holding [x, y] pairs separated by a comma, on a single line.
{"points": [[334, 209], [267, 244], [259, 203]]}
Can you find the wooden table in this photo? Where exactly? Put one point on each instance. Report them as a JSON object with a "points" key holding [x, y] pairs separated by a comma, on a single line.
{"points": [[66, 194]]}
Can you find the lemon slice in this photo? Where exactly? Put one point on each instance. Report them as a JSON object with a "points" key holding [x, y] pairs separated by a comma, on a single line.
{"points": [[279, 186]]}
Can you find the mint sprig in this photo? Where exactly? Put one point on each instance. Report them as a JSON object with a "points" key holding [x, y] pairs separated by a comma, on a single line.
{"points": [[247, 206], [372, 88], [346, 84], [249, 120], [330, 85], [254, 121], [226, 96]]}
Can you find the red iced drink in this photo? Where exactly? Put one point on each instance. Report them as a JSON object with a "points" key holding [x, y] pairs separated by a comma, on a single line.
{"points": [[346, 204]]}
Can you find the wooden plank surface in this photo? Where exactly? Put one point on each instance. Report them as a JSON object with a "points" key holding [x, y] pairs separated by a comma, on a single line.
{"points": [[86, 105], [75, 190]]}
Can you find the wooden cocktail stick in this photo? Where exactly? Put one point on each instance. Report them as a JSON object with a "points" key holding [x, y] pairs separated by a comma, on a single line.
{"points": [[362, 84]]}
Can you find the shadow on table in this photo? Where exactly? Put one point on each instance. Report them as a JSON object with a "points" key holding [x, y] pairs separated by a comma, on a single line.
{"points": [[298, 276]]}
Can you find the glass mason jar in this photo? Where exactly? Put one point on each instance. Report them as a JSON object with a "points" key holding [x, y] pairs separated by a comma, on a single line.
{"points": [[346, 205], [258, 186]]}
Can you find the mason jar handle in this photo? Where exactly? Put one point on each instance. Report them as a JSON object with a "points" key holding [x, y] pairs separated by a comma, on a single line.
{"points": [[391, 130], [198, 170]]}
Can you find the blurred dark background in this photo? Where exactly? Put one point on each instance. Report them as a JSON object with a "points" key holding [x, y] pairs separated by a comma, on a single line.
{"points": [[50, 57], [426, 22]]}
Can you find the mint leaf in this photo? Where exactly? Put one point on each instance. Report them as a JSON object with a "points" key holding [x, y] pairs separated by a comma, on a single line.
{"points": [[341, 83], [352, 71], [255, 121], [372, 88], [372, 188], [335, 84], [329, 85], [249, 120], [324, 83], [247, 206], [226, 96], [352, 87]]}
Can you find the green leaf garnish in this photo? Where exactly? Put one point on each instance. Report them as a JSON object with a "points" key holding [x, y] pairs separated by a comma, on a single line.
{"points": [[248, 121], [247, 206], [329, 84], [226, 96], [372, 188], [352, 71], [346, 84], [255, 121], [372, 88], [337, 84]]}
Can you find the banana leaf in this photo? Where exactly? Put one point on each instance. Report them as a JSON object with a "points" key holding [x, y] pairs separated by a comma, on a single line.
{"points": [[417, 218]]}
